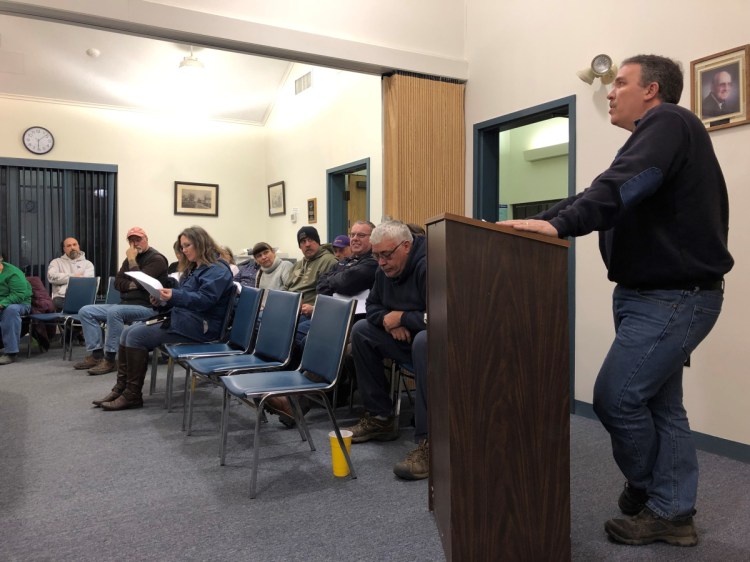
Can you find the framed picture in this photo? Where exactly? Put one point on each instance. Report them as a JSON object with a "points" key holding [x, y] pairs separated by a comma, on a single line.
{"points": [[719, 87], [276, 199], [196, 198], [312, 210]]}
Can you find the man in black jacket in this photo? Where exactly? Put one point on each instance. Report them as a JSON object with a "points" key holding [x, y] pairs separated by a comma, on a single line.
{"points": [[662, 212], [134, 304], [394, 329]]}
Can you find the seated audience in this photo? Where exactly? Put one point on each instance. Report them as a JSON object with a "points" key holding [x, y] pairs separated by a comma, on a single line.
{"points": [[196, 308], [176, 268], [134, 304], [225, 253], [72, 263], [273, 272], [394, 329], [356, 273], [15, 301]]}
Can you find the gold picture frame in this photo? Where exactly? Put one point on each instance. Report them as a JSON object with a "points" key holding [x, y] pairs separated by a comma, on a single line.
{"points": [[312, 210], [276, 199], [196, 199], [720, 87]]}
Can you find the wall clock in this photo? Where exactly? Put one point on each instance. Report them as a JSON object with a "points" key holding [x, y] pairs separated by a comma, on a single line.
{"points": [[38, 140]]}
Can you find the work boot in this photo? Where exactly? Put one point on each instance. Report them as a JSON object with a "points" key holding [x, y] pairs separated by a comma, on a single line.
{"points": [[132, 396], [370, 427], [103, 367], [632, 500], [88, 362], [648, 527], [122, 377], [416, 465]]}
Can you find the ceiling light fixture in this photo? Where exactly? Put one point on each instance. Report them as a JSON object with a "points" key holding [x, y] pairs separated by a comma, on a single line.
{"points": [[191, 61], [601, 67]]}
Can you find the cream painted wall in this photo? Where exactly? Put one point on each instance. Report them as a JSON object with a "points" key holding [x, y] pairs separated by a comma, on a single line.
{"points": [[501, 82], [335, 122], [151, 152]]}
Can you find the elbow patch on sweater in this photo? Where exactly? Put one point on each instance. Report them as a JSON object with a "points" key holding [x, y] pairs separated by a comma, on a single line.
{"points": [[641, 186]]}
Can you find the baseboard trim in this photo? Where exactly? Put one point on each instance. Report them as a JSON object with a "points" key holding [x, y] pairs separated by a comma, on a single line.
{"points": [[704, 442]]}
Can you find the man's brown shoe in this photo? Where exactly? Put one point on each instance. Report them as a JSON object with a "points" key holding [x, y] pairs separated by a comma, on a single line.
{"points": [[103, 367], [89, 362], [416, 465], [373, 428], [114, 395], [125, 401], [647, 527]]}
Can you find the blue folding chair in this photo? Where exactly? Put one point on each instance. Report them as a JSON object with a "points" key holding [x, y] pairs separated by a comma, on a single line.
{"points": [[317, 374], [113, 295], [80, 292], [273, 348], [161, 351]]}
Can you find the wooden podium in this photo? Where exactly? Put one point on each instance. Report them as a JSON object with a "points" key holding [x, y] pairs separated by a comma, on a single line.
{"points": [[498, 377]]}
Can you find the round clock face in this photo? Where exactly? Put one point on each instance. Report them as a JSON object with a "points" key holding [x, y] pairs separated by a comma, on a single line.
{"points": [[38, 140]]}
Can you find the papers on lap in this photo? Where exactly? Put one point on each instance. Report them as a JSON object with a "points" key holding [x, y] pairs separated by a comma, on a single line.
{"points": [[149, 283]]}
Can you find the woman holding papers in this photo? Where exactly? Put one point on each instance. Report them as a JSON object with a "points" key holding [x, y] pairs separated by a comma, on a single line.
{"points": [[196, 309]]}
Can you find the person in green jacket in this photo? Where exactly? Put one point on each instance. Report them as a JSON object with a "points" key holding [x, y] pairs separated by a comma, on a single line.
{"points": [[15, 301]]}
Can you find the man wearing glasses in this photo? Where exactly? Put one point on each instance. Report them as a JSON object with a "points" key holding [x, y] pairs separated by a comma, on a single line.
{"points": [[355, 274], [395, 329]]}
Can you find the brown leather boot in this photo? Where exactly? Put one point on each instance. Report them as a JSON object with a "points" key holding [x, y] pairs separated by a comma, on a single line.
{"points": [[122, 376], [132, 396]]}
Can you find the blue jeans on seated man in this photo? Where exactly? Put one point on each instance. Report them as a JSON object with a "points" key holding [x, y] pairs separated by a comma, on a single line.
{"points": [[10, 326], [116, 316], [638, 392]]}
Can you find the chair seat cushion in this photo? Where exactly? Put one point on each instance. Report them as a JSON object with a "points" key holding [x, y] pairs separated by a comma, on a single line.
{"points": [[207, 365], [248, 384], [48, 316], [199, 350]]}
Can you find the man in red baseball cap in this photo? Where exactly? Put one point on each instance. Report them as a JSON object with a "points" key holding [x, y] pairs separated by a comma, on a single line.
{"points": [[134, 304]]}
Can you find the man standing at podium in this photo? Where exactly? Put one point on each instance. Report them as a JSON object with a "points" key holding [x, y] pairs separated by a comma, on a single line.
{"points": [[394, 329], [661, 210]]}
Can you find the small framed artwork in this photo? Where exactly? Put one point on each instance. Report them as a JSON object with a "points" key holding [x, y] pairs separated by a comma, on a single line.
{"points": [[196, 198], [312, 210], [719, 87], [276, 199]]}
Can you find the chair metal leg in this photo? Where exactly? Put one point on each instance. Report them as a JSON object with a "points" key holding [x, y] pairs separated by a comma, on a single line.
{"points": [[256, 456], [338, 436], [154, 368], [190, 397], [301, 423], [170, 384], [224, 427], [185, 398]]}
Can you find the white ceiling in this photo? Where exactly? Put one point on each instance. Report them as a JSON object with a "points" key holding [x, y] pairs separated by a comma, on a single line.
{"points": [[47, 60]]}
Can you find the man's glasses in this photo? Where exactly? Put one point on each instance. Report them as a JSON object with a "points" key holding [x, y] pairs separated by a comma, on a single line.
{"points": [[358, 235], [386, 255]]}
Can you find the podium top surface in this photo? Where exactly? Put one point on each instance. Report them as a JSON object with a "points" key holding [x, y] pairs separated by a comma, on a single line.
{"points": [[497, 228]]}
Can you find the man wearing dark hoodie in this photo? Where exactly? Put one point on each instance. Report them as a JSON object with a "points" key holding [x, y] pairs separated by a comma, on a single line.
{"points": [[395, 329]]}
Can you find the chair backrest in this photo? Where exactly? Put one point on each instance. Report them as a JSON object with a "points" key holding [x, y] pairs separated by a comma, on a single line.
{"points": [[81, 291], [278, 325], [245, 315], [326, 340], [113, 295]]}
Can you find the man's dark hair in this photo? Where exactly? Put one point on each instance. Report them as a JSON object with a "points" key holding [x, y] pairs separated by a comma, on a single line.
{"points": [[662, 70]]}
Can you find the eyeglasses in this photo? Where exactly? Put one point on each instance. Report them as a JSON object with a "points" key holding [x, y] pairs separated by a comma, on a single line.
{"points": [[358, 235], [185, 246], [387, 255]]}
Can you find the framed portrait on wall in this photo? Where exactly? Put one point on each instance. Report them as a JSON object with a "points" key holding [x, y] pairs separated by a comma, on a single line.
{"points": [[276, 199], [720, 87], [312, 210], [196, 198]]}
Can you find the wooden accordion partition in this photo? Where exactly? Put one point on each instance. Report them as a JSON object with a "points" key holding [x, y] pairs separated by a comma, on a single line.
{"points": [[424, 147]]}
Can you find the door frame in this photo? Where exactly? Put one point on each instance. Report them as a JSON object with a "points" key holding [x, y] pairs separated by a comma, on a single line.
{"points": [[335, 188], [487, 179]]}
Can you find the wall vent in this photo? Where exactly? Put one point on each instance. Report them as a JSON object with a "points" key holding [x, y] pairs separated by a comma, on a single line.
{"points": [[302, 83]]}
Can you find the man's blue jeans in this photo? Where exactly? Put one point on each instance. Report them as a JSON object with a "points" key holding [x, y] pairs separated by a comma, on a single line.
{"points": [[638, 392], [10, 325], [116, 316]]}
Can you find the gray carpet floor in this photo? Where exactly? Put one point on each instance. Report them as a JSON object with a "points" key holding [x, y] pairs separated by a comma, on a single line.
{"points": [[77, 483]]}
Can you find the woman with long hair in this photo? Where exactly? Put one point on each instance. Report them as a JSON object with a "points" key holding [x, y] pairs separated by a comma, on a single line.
{"points": [[197, 308]]}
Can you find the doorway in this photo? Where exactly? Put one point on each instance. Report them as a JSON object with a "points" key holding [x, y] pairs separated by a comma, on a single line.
{"points": [[524, 163], [348, 196]]}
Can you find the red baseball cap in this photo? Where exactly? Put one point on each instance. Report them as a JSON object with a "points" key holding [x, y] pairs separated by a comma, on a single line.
{"points": [[136, 231]]}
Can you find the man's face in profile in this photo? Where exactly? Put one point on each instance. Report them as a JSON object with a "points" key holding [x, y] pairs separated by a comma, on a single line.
{"points": [[721, 85]]}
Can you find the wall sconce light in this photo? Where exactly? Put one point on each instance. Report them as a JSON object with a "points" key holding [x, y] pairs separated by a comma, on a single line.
{"points": [[601, 67]]}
